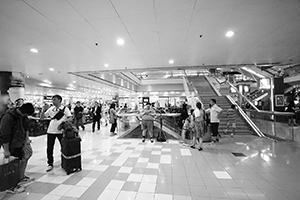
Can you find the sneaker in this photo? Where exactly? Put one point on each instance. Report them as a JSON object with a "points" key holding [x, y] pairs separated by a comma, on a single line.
{"points": [[143, 140], [200, 149], [151, 140], [26, 180], [231, 134], [15, 190], [49, 168], [193, 146]]}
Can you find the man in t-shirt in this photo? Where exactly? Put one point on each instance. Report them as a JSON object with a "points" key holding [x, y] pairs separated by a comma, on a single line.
{"points": [[53, 132], [215, 112], [78, 114]]}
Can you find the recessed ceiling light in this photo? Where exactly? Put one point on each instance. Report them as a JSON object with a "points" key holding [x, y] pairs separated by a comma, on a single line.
{"points": [[51, 69], [120, 41], [34, 50], [106, 65], [229, 34], [171, 61], [74, 81]]}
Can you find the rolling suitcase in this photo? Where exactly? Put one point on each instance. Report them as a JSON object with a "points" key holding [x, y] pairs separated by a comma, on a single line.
{"points": [[71, 155]]}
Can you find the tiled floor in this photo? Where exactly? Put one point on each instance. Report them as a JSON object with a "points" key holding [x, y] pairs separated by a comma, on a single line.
{"points": [[127, 169]]}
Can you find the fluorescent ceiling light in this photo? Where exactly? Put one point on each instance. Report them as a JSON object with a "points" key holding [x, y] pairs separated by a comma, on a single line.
{"points": [[45, 85], [120, 41], [46, 81], [34, 50], [171, 61], [229, 34]]}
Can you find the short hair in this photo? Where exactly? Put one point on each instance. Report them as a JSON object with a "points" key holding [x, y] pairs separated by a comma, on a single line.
{"points": [[192, 110], [214, 100], [148, 103], [199, 105], [57, 96], [233, 106], [27, 108], [78, 102]]}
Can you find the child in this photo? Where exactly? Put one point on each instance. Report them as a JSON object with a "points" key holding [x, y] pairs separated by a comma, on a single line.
{"points": [[188, 125], [231, 115]]}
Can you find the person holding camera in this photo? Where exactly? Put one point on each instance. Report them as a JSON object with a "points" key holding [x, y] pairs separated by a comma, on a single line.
{"points": [[58, 114]]}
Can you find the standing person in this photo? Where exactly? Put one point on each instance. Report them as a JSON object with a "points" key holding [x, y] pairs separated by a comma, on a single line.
{"points": [[78, 114], [199, 114], [147, 117], [291, 108], [189, 125], [113, 119], [14, 137], [215, 112], [184, 114], [185, 120], [58, 114], [96, 115], [231, 116]]}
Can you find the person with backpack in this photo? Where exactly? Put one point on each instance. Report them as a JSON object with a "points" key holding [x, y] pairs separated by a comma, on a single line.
{"points": [[199, 120], [14, 138], [58, 114]]}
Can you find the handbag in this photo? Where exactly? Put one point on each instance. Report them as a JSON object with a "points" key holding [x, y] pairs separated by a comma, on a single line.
{"points": [[9, 174]]}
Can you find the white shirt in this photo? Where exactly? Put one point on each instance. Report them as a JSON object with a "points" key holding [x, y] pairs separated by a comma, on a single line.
{"points": [[54, 123], [198, 114], [214, 112]]}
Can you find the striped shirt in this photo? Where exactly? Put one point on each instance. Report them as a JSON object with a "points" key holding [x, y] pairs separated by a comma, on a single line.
{"points": [[231, 115]]}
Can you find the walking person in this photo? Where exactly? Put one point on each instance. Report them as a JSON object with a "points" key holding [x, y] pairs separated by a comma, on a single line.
{"points": [[58, 114], [15, 140], [113, 119], [215, 112], [199, 118], [231, 116], [96, 115], [78, 114]]}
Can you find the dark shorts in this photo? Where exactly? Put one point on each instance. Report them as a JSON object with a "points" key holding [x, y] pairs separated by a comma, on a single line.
{"points": [[18, 153]]}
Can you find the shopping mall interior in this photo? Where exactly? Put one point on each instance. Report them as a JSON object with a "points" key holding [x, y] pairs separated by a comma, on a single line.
{"points": [[167, 53]]}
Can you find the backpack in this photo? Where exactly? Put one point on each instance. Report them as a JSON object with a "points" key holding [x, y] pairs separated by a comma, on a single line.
{"points": [[161, 137]]}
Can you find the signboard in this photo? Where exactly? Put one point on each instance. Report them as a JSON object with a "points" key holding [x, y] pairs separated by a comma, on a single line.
{"points": [[279, 100]]}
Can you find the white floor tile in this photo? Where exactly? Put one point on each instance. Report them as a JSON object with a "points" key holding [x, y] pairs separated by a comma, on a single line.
{"points": [[134, 155], [109, 194], [149, 179], [59, 179], [163, 197], [156, 152], [222, 175], [126, 195], [143, 160], [86, 182], [51, 197], [147, 187], [166, 150], [76, 191], [144, 196], [152, 165], [115, 185], [165, 159], [135, 177], [185, 152], [125, 170]]}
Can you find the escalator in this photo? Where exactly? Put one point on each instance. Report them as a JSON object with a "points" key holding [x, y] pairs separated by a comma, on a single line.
{"points": [[206, 93]]}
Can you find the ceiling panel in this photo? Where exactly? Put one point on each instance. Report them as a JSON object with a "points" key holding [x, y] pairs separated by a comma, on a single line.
{"points": [[133, 7]]}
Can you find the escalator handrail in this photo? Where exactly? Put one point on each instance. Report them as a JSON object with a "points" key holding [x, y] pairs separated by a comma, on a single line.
{"points": [[247, 118]]}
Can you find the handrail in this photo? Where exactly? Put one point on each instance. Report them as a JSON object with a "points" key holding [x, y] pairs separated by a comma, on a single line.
{"points": [[247, 118], [243, 96], [276, 113], [213, 86]]}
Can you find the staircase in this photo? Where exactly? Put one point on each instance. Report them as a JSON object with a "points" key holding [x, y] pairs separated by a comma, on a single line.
{"points": [[206, 93]]}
